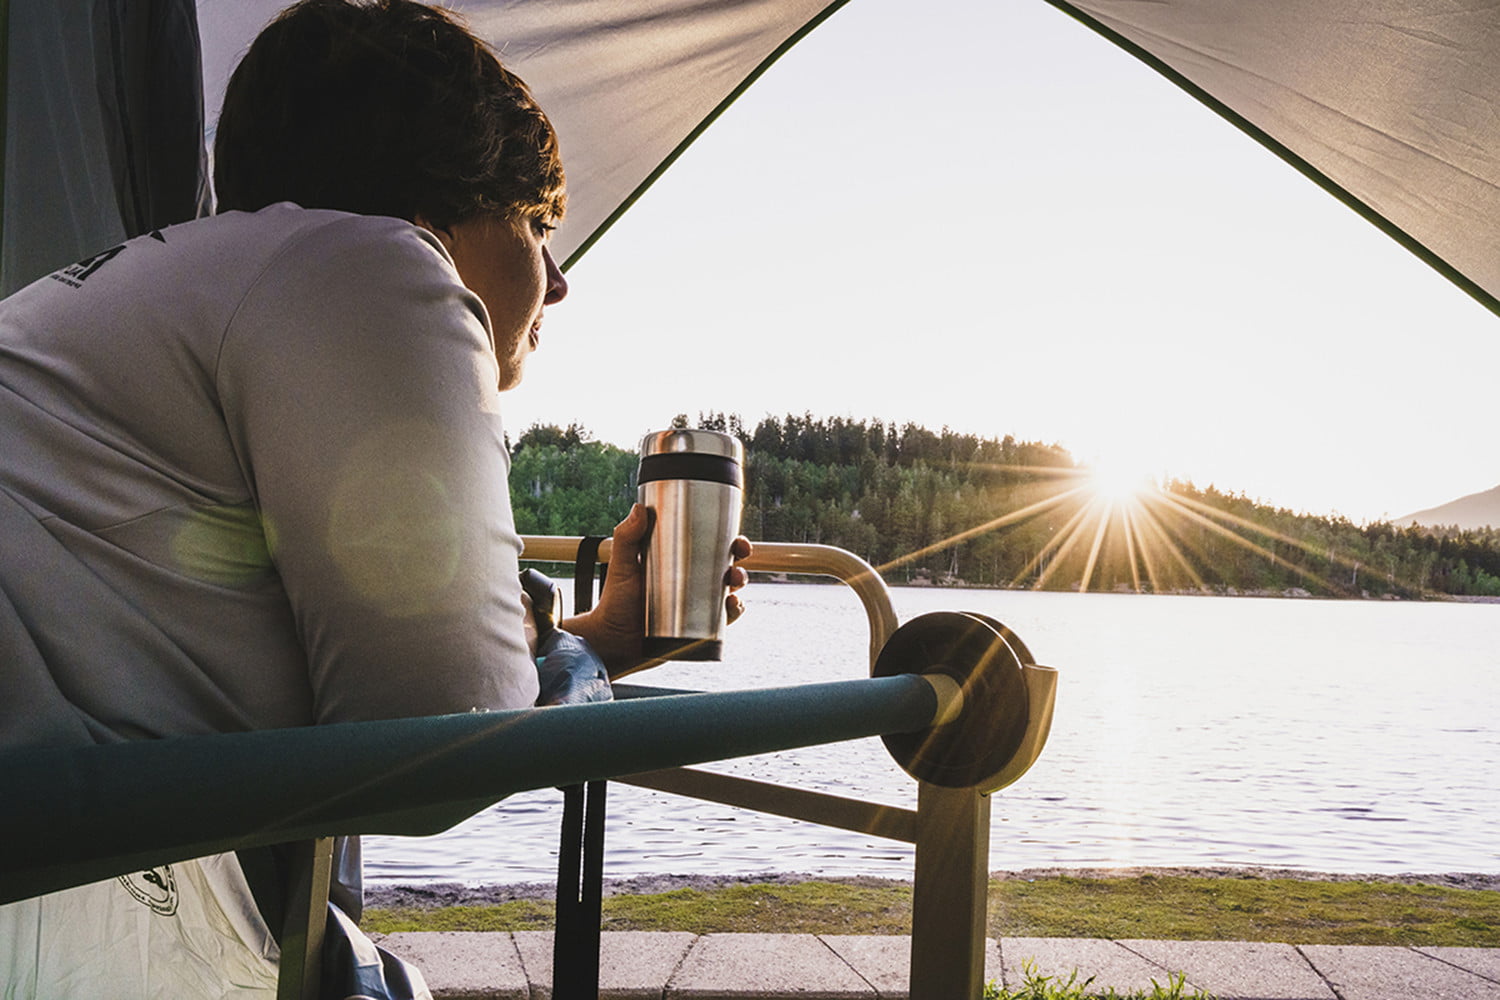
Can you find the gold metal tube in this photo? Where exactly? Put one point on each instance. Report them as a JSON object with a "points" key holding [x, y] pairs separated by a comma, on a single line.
{"points": [[770, 557]]}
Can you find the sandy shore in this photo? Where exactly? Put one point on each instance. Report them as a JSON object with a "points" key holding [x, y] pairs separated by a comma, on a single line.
{"points": [[454, 894]]}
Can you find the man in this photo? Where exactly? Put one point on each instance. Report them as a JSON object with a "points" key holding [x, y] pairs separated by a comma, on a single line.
{"points": [[252, 471]]}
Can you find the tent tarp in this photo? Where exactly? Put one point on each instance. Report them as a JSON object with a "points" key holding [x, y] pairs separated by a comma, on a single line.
{"points": [[104, 124], [1390, 106], [1393, 107]]}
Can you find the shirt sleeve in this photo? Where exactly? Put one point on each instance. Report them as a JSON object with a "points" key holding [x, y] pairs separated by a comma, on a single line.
{"points": [[358, 382]]}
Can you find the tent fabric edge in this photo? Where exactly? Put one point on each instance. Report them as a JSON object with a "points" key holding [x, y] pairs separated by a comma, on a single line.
{"points": [[692, 136], [1424, 253], [4, 104]]}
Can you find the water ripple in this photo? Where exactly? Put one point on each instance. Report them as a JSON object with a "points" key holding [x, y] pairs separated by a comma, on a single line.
{"points": [[1172, 745]]}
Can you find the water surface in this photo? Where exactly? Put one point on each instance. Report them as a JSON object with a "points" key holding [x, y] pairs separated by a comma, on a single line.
{"points": [[1345, 736]]}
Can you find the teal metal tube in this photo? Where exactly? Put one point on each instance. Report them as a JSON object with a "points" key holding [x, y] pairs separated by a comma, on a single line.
{"points": [[77, 815]]}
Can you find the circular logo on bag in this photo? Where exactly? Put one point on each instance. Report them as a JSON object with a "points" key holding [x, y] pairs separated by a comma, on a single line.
{"points": [[156, 887]]}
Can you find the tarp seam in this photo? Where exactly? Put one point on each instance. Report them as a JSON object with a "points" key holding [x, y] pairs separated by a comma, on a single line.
{"points": [[698, 130]]}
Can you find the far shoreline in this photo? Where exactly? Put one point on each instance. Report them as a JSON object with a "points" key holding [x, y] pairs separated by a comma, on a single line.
{"points": [[437, 895], [1288, 594]]}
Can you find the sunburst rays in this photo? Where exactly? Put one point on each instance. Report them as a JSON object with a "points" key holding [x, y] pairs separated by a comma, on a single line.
{"points": [[1109, 530]]}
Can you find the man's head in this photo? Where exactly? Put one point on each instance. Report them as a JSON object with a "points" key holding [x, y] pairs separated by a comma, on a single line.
{"points": [[386, 107]]}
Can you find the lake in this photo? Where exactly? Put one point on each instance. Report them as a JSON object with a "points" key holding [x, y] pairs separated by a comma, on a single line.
{"points": [[1341, 736]]}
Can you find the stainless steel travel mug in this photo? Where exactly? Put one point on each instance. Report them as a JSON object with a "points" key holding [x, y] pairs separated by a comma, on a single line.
{"points": [[693, 482]]}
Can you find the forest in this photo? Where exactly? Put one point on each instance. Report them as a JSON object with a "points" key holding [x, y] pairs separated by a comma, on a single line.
{"points": [[949, 508]]}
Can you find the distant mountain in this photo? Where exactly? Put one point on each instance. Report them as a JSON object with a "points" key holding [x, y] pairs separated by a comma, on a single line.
{"points": [[1477, 510]]}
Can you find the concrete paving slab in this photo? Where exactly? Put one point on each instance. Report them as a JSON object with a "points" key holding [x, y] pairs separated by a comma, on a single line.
{"points": [[884, 961], [1378, 973], [1110, 964], [1480, 961], [633, 965], [1238, 970], [638, 965], [726, 966], [462, 965]]}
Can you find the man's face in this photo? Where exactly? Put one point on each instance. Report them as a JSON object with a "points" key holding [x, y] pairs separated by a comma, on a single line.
{"points": [[505, 261]]}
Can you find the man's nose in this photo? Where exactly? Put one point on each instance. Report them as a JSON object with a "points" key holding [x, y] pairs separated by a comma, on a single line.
{"points": [[557, 285]]}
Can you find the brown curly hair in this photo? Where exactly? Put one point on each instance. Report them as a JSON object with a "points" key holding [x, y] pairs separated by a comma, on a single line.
{"points": [[388, 107]]}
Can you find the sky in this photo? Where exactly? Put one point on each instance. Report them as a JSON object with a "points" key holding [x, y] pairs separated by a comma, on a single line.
{"points": [[991, 219]]}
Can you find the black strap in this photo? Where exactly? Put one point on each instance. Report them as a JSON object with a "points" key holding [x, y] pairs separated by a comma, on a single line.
{"points": [[583, 573]]}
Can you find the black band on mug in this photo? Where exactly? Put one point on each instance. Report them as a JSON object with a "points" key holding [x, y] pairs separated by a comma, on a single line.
{"points": [[693, 650], [691, 465]]}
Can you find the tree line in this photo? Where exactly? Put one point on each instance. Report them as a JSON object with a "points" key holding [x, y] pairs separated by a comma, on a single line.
{"points": [[938, 507]]}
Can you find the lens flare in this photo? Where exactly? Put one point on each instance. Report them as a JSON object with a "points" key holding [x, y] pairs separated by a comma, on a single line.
{"points": [[1110, 526]]}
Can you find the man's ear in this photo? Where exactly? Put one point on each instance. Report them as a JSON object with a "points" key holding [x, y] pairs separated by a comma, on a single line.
{"points": [[443, 233]]}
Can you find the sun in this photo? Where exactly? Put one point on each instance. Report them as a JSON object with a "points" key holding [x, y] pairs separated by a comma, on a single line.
{"points": [[1107, 523], [1118, 482]]}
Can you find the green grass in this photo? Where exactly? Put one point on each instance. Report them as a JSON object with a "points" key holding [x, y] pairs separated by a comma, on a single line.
{"points": [[1039, 987], [1245, 909], [803, 908], [1148, 906]]}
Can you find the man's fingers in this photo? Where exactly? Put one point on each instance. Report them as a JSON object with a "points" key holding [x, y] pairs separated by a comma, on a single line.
{"points": [[737, 577], [628, 540], [632, 531]]}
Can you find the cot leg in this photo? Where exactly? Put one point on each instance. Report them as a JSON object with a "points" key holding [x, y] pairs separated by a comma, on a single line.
{"points": [[300, 975], [580, 883], [949, 903]]}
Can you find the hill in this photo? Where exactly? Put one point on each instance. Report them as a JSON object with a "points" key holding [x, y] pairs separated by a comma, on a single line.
{"points": [[941, 507], [1471, 513]]}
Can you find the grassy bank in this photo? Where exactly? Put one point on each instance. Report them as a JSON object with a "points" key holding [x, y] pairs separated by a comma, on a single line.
{"points": [[1146, 906]]}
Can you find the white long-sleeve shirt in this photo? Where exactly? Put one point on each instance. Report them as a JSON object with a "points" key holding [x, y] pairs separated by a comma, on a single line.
{"points": [[252, 475]]}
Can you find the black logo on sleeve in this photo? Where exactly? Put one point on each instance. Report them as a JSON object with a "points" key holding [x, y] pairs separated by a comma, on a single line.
{"points": [[74, 275]]}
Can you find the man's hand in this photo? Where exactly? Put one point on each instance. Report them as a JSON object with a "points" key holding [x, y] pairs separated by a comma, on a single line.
{"points": [[528, 622], [616, 625]]}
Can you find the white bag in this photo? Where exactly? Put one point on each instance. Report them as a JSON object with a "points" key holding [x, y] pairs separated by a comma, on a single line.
{"points": [[183, 930]]}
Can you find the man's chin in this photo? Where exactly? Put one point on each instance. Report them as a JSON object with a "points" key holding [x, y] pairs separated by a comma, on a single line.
{"points": [[511, 375]]}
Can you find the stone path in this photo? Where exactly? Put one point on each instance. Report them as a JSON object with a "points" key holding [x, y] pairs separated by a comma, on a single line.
{"points": [[680, 966]]}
